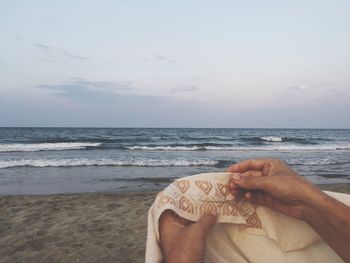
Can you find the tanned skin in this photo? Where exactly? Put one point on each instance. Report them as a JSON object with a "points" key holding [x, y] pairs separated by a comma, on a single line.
{"points": [[270, 183]]}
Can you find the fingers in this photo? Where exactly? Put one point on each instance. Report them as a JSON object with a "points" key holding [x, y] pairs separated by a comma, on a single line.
{"points": [[247, 165], [254, 182], [252, 173], [235, 189], [206, 222]]}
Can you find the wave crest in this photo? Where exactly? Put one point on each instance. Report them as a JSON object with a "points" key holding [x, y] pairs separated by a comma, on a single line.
{"points": [[281, 147], [34, 147], [166, 148], [103, 162], [272, 138]]}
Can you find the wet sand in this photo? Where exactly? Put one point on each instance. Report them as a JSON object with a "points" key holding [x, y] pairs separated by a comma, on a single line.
{"points": [[88, 227]]}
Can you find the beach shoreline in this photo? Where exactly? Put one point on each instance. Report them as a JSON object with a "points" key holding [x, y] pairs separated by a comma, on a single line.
{"points": [[82, 227]]}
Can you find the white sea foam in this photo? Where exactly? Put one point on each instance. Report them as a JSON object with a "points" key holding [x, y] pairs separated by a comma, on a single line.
{"points": [[103, 162], [166, 148], [272, 138], [46, 146], [319, 147], [282, 147], [324, 161]]}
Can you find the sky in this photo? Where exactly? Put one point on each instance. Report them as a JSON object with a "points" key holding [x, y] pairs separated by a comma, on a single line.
{"points": [[239, 64]]}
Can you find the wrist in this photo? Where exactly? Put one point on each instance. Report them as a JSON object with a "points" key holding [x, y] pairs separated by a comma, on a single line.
{"points": [[314, 196], [313, 200], [317, 206]]}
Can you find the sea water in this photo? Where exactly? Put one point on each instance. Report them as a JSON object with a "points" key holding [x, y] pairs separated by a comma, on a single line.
{"points": [[62, 160]]}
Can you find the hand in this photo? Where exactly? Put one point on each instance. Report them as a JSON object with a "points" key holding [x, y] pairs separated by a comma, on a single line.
{"points": [[273, 184], [183, 241]]}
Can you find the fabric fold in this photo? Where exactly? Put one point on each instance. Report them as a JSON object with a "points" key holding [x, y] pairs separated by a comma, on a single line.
{"points": [[244, 232]]}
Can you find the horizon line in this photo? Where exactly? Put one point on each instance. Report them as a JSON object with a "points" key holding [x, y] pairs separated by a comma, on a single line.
{"points": [[138, 127]]}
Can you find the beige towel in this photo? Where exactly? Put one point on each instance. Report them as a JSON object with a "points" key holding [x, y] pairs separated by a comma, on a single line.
{"points": [[244, 232]]}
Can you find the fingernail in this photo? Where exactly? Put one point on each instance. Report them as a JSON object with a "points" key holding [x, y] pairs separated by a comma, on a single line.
{"points": [[236, 177]]}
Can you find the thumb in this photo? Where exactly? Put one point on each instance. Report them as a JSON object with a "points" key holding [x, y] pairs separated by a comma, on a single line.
{"points": [[251, 182], [206, 222]]}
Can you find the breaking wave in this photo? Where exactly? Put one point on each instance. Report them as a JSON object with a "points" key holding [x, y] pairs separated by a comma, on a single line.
{"points": [[317, 162], [103, 162], [282, 147], [167, 148], [272, 138], [34, 147]]}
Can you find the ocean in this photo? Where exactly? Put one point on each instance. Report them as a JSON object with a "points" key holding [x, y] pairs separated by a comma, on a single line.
{"points": [[70, 160]]}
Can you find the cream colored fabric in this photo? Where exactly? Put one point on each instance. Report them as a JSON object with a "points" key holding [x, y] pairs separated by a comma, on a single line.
{"points": [[244, 233]]}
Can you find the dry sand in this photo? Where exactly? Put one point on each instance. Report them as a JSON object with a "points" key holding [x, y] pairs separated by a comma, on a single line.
{"points": [[94, 227]]}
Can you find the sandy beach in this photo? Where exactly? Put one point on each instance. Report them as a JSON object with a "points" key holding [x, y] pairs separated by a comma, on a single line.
{"points": [[87, 227]]}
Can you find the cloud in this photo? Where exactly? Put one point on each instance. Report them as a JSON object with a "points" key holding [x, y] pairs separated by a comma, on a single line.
{"points": [[86, 90], [163, 58], [297, 88], [322, 85], [70, 55], [184, 89], [18, 37], [158, 58], [125, 110], [44, 47], [125, 85], [60, 51]]}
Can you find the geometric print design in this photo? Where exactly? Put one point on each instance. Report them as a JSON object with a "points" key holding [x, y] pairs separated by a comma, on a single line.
{"points": [[182, 185], [223, 189], [200, 196], [186, 205], [253, 221], [205, 186], [165, 199]]}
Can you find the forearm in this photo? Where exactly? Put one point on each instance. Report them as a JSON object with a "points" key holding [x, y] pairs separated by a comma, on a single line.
{"points": [[331, 220]]}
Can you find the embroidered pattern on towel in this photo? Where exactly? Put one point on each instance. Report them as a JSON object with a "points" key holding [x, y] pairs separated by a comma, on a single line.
{"points": [[195, 197]]}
